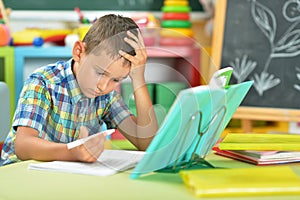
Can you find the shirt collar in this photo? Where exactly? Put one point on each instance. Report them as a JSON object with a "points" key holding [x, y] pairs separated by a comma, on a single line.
{"points": [[73, 87]]}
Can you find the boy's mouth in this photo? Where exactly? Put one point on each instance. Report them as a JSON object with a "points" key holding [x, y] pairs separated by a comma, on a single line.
{"points": [[97, 93]]}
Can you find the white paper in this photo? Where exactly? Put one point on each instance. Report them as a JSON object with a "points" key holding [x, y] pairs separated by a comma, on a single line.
{"points": [[110, 162]]}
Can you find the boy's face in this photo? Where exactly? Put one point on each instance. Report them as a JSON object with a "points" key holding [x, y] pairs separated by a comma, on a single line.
{"points": [[100, 75]]}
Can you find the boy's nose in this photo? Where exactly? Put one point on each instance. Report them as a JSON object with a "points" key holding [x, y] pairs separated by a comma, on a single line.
{"points": [[103, 83]]}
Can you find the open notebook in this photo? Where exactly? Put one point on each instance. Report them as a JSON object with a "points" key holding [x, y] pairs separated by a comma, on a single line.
{"points": [[189, 131], [109, 163]]}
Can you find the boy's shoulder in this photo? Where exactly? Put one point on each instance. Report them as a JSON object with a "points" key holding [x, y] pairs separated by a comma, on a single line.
{"points": [[54, 73]]}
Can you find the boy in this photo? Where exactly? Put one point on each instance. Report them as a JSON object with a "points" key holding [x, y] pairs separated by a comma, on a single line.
{"points": [[60, 102]]}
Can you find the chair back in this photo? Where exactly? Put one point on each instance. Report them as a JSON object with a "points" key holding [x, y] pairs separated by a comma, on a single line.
{"points": [[5, 122]]}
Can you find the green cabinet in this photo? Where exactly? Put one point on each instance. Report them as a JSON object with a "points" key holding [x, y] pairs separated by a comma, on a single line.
{"points": [[7, 73]]}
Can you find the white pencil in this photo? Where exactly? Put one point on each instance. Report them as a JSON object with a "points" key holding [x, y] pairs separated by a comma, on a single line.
{"points": [[81, 141]]}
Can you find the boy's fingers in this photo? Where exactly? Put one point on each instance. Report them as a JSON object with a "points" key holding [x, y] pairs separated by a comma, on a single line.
{"points": [[141, 40], [135, 41], [126, 55], [138, 38], [95, 146], [131, 42], [132, 36]]}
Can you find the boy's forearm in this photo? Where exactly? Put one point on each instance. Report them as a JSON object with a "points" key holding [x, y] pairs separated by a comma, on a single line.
{"points": [[143, 105], [42, 150], [29, 147], [146, 118]]}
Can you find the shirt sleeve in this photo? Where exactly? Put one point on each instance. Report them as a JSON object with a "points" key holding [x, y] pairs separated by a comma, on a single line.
{"points": [[33, 106], [116, 111]]}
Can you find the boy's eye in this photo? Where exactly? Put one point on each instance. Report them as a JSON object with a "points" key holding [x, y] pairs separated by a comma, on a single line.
{"points": [[99, 72], [116, 80]]}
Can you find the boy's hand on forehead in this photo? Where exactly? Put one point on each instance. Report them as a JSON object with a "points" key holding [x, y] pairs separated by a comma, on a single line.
{"points": [[138, 61]]}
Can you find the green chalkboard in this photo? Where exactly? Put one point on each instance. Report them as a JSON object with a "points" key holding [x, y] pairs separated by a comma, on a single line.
{"points": [[260, 43], [259, 39], [127, 5]]}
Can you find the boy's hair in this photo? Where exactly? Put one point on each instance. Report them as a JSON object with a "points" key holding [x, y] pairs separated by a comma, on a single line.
{"points": [[107, 35]]}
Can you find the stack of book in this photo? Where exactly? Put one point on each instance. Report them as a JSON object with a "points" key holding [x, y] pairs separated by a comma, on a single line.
{"points": [[260, 149]]}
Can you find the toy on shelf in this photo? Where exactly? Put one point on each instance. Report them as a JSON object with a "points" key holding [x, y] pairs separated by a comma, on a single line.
{"points": [[38, 37], [82, 30], [4, 35], [71, 39], [82, 18], [4, 29], [176, 24], [3, 13], [85, 23], [148, 25]]}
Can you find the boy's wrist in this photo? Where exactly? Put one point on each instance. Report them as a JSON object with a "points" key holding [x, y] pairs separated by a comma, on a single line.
{"points": [[137, 83]]}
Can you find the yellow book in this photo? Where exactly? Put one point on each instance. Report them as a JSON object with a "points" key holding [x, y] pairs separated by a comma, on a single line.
{"points": [[260, 142], [255, 181]]}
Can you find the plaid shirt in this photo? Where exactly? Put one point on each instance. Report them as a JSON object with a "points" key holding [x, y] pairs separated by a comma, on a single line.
{"points": [[51, 102]]}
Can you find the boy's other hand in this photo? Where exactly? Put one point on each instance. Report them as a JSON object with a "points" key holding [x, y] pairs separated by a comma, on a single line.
{"points": [[138, 61], [91, 149]]}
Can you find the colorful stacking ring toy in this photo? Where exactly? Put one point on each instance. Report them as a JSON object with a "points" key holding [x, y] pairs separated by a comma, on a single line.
{"points": [[176, 24], [176, 32], [180, 9], [175, 16], [176, 3]]}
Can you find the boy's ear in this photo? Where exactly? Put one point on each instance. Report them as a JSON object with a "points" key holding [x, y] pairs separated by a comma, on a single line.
{"points": [[78, 50]]}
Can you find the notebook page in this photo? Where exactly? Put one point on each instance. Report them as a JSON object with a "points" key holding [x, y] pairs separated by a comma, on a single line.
{"points": [[110, 162]]}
